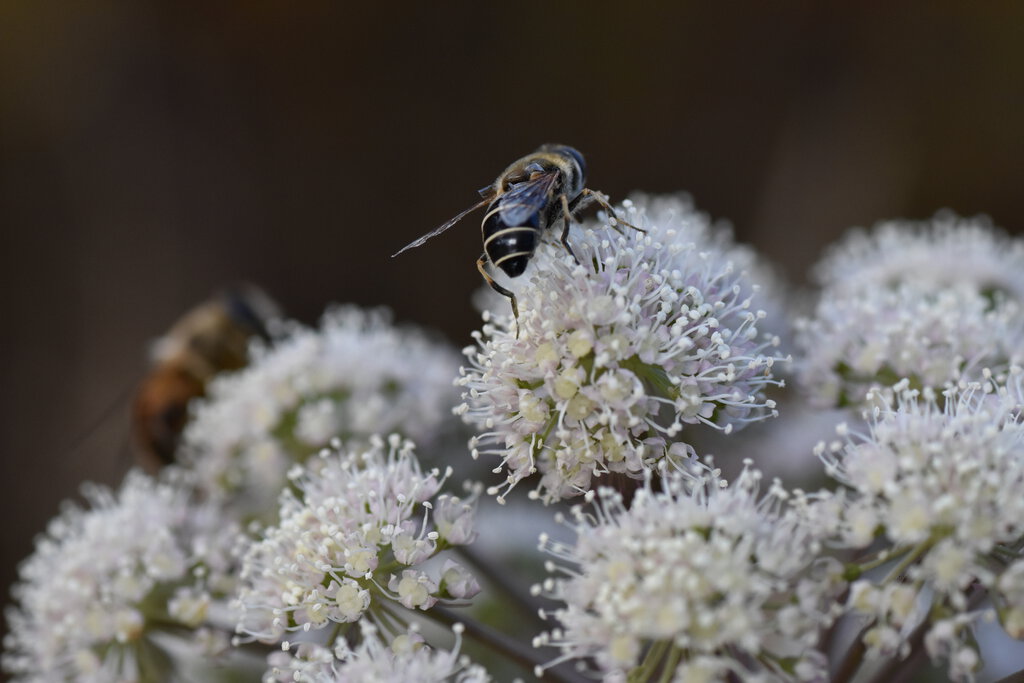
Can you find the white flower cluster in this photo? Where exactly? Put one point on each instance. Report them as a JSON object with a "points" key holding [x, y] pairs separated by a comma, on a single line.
{"points": [[877, 336], [698, 580], [938, 476], [105, 581], [614, 355], [655, 344], [356, 376], [406, 660], [931, 302], [944, 250], [360, 514]]}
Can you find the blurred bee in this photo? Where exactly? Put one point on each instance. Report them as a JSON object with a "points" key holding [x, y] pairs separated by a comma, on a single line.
{"points": [[212, 337], [529, 196]]}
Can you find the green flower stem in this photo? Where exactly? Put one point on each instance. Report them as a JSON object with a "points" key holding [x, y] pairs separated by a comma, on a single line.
{"points": [[910, 558], [647, 668], [881, 559], [154, 664], [552, 421], [335, 632], [393, 622], [671, 662], [652, 376], [1005, 554]]}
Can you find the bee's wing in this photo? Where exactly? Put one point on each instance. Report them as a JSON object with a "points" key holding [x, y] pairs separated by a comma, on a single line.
{"points": [[444, 226], [525, 199]]}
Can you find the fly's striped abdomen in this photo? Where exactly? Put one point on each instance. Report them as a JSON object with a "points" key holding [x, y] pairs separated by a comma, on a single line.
{"points": [[510, 247]]}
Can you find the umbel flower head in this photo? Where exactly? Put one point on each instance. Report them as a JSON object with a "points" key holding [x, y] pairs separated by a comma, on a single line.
{"points": [[107, 586], [876, 336], [932, 302], [356, 533], [405, 660], [648, 334], [943, 251], [939, 476], [356, 376], [700, 580]]}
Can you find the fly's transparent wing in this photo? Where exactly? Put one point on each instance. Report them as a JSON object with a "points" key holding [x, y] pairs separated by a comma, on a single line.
{"points": [[523, 200], [441, 228]]}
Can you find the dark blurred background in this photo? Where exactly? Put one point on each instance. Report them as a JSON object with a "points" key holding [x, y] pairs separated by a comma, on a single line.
{"points": [[151, 152]]}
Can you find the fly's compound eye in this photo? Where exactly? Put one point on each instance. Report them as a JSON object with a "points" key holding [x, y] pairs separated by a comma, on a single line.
{"points": [[577, 157]]}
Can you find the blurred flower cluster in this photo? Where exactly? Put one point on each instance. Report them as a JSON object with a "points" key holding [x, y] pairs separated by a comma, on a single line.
{"points": [[930, 302], [319, 523], [354, 377]]}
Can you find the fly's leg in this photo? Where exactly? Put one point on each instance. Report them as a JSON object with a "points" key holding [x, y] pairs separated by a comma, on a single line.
{"points": [[498, 288], [568, 217], [587, 196]]}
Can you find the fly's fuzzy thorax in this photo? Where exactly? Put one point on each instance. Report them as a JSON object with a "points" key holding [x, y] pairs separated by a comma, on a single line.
{"points": [[572, 178]]}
